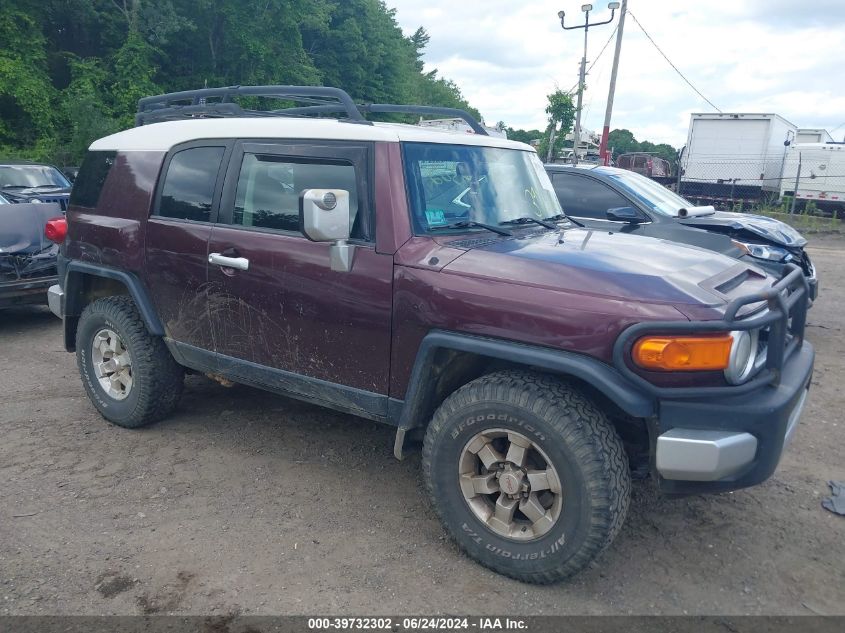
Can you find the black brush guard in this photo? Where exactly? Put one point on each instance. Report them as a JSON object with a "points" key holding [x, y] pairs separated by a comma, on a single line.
{"points": [[787, 302]]}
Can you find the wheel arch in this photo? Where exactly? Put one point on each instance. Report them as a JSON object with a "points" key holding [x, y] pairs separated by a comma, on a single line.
{"points": [[84, 282], [447, 360]]}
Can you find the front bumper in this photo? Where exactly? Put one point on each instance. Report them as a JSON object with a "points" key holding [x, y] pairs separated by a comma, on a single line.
{"points": [[720, 438], [722, 444], [25, 291]]}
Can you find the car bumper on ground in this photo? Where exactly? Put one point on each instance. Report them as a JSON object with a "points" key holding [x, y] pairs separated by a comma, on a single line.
{"points": [[732, 442], [25, 291]]}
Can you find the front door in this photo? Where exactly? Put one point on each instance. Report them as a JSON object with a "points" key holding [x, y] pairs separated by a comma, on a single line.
{"points": [[280, 317]]}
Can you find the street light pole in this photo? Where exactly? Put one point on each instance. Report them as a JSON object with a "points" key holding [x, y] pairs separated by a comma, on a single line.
{"points": [[582, 73], [605, 132]]}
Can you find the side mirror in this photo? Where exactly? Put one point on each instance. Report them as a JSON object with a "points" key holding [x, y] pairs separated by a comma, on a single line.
{"points": [[324, 217], [629, 215]]}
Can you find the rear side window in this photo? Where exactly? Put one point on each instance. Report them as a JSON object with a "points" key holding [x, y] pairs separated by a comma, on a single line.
{"points": [[92, 176], [188, 190], [583, 197], [269, 187]]}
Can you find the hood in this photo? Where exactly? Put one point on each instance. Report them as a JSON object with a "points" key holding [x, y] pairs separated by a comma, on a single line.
{"points": [[768, 228], [613, 265], [22, 227]]}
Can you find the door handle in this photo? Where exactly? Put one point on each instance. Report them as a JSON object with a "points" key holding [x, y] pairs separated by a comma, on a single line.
{"points": [[239, 263]]}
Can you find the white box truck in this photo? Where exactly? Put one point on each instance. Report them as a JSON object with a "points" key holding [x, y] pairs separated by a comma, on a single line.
{"points": [[734, 156], [822, 176], [812, 135]]}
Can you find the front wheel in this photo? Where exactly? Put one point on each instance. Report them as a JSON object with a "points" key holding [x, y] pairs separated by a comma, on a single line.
{"points": [[526, 474]]}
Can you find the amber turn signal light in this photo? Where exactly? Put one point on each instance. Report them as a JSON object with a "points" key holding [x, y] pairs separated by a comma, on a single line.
{"points": [[683, 353]]}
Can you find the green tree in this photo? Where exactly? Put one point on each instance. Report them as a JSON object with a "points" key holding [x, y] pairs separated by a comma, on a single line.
{"points": [[561, 113], [27, 97], [72, 70], [523, 136]]}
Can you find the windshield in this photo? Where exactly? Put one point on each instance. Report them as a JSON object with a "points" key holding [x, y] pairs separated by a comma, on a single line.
{"points": [[448, 184], [19, 176], [651, 194]]}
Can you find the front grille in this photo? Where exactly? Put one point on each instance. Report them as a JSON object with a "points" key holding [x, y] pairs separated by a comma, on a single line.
{"points": [[62, 201]]}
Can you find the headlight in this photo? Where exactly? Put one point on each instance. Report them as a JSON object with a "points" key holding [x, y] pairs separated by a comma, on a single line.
{"points": [[765, 251], [742, 356]]}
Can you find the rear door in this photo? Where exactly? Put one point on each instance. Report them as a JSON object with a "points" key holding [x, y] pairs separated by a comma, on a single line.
{"points": [[177, 234], [282, 318]]}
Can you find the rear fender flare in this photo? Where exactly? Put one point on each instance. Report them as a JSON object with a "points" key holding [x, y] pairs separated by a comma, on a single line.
{"points": [[75, 299]]}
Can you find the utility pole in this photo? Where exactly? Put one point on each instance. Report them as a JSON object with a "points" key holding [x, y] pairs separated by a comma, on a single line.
{"points": [[605, 133], [795, 188], [582, 79], [582, 73]]}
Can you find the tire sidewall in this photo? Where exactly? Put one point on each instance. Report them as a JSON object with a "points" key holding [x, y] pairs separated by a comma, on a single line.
{"points": [[553, 549], [114, 410]]}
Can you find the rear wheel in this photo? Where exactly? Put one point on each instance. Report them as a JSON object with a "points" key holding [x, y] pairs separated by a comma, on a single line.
{"points": [[129, 374], [527, 475]]}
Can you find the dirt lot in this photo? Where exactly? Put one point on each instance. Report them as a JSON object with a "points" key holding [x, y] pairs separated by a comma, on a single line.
{"points": [[251, 503]]}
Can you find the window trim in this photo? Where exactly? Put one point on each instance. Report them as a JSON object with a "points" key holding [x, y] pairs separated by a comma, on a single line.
{"points": [[227, 145], [357, 154]]}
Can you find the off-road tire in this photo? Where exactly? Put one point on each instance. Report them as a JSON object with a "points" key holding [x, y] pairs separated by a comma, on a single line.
{"points": [[582, 446], [157, 379]]}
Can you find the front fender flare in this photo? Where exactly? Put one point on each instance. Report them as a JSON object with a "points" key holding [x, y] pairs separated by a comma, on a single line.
{"points": [[599, 375]]}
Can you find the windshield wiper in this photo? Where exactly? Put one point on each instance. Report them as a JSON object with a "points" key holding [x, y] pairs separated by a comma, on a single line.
{"points": [[467, 223], [527, 220], [563, 216]]}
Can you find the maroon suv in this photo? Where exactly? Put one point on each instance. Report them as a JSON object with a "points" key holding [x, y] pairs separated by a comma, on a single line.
{"points": [[430, 281]]}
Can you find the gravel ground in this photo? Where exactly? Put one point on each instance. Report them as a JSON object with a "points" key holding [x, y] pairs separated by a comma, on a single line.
{"points": [[245, 502]]}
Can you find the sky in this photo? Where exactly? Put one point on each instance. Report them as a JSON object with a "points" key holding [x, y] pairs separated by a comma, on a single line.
{"points": [[777, 56]]}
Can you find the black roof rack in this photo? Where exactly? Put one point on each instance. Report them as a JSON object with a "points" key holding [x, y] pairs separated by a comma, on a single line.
{"points": [[316, 100]]}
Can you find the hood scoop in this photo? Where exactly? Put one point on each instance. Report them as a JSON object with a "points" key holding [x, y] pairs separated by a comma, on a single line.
{"points": [[739, 280]]}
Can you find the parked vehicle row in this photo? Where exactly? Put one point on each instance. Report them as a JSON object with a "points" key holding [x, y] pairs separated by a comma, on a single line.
{"points": [[431, 281]]}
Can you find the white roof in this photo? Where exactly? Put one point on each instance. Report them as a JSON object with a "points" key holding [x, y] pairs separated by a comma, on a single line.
{"points": [[163, 136]]}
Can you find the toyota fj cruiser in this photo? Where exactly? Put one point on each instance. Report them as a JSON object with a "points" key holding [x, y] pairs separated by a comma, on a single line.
{"points": [[430, 281]]}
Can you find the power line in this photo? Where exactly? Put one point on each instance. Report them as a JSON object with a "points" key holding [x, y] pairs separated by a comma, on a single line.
{"points": [[573, 88], [689, 83]]}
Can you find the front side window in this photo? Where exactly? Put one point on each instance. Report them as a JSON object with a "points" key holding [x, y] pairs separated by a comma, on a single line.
{"points": [[583, 197], [188, 190], [269, 187], [459, 183]]}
